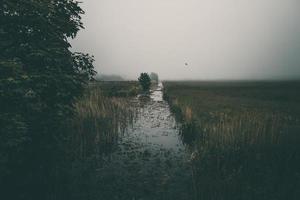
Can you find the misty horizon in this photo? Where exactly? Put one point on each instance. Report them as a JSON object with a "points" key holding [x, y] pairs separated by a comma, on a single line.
{"points": [[126, 78], [228, 40]]}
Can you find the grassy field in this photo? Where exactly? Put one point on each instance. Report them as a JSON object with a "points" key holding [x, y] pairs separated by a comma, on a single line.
{"points": [[244, 137]]}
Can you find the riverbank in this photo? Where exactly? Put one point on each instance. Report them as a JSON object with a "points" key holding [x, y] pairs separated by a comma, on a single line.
{"points": [[136, 154], [244, 137]]}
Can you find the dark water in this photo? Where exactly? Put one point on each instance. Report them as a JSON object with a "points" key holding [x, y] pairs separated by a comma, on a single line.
{"points": [[149, 161]]}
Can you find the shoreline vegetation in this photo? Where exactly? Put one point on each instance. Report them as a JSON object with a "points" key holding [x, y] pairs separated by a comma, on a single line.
{"points": [[101, 115], [243, 137]]}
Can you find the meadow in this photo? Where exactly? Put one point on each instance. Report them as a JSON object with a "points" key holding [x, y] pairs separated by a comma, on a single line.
{"points": [[243, 137]]}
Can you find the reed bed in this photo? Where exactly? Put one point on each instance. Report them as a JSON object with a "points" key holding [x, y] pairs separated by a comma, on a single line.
{"points": [[95, 129], [242, 146], [98, 122]]}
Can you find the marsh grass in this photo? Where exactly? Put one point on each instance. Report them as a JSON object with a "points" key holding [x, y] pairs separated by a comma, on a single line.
{"points": [[95, 129], [242, 146], [98, 122]]}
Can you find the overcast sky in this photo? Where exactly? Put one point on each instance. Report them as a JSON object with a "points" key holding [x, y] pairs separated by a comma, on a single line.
{"points": [[219, 39]]}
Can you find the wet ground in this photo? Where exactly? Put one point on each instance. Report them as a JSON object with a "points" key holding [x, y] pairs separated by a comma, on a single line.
{"points": [[150, 160]]}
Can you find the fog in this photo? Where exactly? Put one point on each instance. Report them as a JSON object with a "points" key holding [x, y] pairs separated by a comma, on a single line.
{"points": [[218, 39]]}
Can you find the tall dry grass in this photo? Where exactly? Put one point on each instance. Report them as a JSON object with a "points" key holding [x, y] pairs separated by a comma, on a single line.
{"points": [[98, 122], [248, 154], [241, 148], [95, 128]]}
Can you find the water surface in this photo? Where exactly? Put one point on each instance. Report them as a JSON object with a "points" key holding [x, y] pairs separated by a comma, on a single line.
{"points": [[150, 160]]}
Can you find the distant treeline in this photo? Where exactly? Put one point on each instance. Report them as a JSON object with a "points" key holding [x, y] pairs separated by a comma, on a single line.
{"points": [[103, 77]]}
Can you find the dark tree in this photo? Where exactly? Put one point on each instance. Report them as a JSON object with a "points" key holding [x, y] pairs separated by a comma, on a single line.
{"points": [[39, 80], [145, 81]]}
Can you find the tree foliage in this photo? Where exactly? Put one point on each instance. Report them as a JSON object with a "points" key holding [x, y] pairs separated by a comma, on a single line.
{"points": [[40, 78], [145, 81]]}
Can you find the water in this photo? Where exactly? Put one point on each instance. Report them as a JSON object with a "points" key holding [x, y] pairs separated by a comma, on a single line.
{"points": [[149, 161]]}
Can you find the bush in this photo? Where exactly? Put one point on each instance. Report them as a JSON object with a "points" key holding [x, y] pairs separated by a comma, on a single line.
{"points": [[145, 81]]}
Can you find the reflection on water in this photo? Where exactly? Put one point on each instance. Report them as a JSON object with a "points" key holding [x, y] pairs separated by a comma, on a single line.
{"points": [[157, 94], [149, 161]]}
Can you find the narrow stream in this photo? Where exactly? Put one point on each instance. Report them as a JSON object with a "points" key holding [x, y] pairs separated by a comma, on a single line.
{"points": [[150, 160]]}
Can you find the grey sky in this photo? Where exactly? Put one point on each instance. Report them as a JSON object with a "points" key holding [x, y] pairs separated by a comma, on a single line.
{"points": [[219, 39]]}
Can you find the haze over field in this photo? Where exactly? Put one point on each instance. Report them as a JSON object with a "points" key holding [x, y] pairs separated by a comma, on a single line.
{"points": [[228, 39]]}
